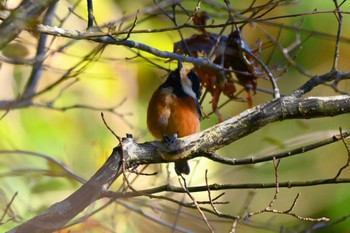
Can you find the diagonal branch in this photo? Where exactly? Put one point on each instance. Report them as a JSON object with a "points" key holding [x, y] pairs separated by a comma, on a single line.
{"points": [[192, 146], [37, 67], [20, 18], [60, 213]]}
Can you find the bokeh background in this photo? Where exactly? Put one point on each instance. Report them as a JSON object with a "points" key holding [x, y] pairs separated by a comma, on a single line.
{"points": [[124, 79]]}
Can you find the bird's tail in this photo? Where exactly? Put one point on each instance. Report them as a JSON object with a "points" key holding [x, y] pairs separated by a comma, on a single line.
{"points": [[182, 167]]}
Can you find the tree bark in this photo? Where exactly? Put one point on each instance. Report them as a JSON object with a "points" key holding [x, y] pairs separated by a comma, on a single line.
{"points": [[132, 154]]}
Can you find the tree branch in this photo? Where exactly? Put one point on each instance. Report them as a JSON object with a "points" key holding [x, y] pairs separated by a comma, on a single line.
{"points": [[21, 18], [60, 213], [189, 147], [37, 67]]}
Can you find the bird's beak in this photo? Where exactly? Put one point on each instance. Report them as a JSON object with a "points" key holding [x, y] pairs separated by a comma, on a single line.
{"points": [[182, 70]]}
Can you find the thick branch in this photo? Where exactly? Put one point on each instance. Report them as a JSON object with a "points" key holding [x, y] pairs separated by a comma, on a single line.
{"points": [[60, 213], [156, 152], [237, 127]]}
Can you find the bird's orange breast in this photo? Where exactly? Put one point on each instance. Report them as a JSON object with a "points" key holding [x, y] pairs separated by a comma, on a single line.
{"points": [[168, 115]]}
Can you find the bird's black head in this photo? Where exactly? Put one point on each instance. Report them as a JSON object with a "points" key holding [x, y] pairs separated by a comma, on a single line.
{"points": [[183, 83]]}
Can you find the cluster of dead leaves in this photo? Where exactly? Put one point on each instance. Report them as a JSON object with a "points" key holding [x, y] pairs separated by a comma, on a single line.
{"points": [[227, 51]]}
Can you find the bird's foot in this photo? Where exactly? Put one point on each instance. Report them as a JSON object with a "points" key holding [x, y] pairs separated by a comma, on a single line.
{"points": [[170, 139]]}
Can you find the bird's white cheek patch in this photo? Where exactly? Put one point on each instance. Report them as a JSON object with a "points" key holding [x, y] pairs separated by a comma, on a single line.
{"points": [[187, 87]]}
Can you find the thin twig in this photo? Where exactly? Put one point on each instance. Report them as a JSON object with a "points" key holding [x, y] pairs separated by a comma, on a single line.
{"points": [[318, 80], [324, 225], [253, 160], [276, 91], [267, 21], [285, 52], [196, 10], [60, 164], [270, 209], [184, 186], [110, 129], [347, 164], [209, 193], [276, 163], [339, 17], [180, 208], [37, 67], [7, 208], [218, 186]]}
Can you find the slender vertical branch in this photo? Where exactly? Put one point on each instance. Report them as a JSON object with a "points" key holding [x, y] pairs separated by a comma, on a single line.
{"points": [[39, 57], [184, 186], [340, 27], [91, 18], [347, 164]]}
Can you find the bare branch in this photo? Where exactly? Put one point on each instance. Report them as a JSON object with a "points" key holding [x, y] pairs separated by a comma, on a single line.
{"points": [[53, 160], [270, 209], [184, 187], [189, 147], [129, 154], [21, 18], [8, 209], [37, 67], [209, 193], [62, 212], [339, 16], [347, 164], [276, 91], [259, 159], [75, 34]]}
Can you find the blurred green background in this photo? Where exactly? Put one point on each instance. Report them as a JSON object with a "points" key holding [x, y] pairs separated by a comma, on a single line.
{"points": [[123, 79]]}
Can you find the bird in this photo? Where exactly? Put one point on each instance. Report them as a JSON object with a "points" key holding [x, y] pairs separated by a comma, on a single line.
{"points": [[174, 110]]}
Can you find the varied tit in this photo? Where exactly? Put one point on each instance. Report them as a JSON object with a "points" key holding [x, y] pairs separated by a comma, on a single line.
{"points": [[174, 110]]}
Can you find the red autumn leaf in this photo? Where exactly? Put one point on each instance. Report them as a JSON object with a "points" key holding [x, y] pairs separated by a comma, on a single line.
{"points": [[201, 20]]}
